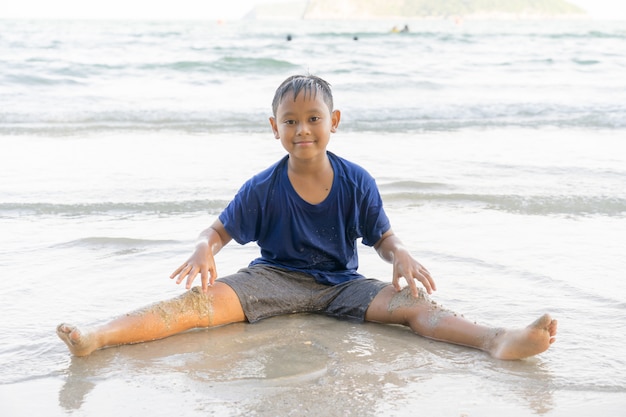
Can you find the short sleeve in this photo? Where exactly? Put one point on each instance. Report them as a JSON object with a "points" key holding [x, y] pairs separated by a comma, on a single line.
{"points": [[374, 220], [241, 218]]}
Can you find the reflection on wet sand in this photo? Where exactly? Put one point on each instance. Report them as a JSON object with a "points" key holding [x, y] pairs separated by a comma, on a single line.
{"points": [[307, 363]]}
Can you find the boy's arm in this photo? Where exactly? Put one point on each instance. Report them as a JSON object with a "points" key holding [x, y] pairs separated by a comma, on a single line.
{"points": [[391, 249], [209, 243]]}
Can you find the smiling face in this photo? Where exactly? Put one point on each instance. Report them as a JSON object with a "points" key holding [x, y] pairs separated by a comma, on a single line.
{"points": [[304, 124]]}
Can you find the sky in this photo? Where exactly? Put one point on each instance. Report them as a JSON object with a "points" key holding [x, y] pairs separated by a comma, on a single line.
{"points": [[198, 9]]}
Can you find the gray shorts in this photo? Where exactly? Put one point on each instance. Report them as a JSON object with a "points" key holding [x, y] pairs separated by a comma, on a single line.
{"points": [[265, 291]]}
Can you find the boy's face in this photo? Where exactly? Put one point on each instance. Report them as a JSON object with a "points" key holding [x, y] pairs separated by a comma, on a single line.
{"points": [[304, 125]]}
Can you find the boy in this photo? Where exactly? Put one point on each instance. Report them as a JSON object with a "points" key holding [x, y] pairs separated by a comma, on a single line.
{"points": [[306, 213]]}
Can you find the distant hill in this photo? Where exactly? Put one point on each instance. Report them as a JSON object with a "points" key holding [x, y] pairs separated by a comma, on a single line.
{"points": [[376, 9]]}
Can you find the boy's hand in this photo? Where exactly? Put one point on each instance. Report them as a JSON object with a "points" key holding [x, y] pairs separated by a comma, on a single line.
{"points": [[404, 265], [392, 250], [201, 261]]}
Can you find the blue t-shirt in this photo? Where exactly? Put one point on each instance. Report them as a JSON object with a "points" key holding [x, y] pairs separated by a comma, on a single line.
{"points": [[318, 239]]}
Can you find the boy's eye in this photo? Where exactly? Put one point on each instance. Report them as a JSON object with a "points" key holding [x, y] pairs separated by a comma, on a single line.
{"points": [[290, 122], [315, 118]]}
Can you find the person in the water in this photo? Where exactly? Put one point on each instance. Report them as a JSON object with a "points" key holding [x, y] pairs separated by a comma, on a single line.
{"points": [[306, 213]]}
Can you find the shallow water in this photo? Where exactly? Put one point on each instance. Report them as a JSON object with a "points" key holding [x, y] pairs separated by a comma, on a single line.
{"points": [[513, 197], [74, 257]]}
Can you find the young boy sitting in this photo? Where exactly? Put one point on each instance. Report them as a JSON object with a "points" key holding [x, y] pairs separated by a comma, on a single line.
{"points": [[306, 213]]}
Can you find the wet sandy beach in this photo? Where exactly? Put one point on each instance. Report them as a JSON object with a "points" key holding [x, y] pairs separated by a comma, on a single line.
{"points": [[300, 365]]}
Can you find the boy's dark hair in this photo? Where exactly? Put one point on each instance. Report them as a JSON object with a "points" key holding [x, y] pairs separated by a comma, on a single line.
{"points": [[310, 84]]}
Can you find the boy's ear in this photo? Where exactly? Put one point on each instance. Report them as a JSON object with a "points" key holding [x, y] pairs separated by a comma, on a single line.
{"points": [[274, 127], [335, 118]]}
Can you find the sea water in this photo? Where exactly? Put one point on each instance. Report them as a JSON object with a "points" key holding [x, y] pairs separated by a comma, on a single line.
{"points": [[499, 148]]}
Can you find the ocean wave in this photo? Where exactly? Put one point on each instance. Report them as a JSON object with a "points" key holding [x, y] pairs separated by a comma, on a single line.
{"points": [[116, 246], [247, 64], [569, 205], [111, 208], [488, 115], [586, 61], [61, 124], [112, 242], [228, 64], [409, 193], [406, 193], [180, 77], [471, 37], [42, 72], [592, 34], [409, 186], [39, 80], [447, 117]]}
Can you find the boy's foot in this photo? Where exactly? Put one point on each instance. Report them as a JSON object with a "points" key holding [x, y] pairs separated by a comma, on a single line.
{"points": [[79, 343], [522, 343]]}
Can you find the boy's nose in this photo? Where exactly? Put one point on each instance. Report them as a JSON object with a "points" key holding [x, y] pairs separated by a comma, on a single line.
{"points": [[303, 129]]}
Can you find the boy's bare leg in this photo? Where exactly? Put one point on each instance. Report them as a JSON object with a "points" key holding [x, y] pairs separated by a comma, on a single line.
{"points": [[430, 320], [187, 311]]}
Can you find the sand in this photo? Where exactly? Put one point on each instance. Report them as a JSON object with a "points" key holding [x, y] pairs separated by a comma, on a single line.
{"points": [[300, 365]]}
